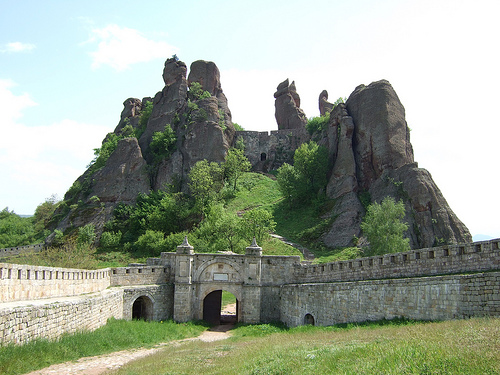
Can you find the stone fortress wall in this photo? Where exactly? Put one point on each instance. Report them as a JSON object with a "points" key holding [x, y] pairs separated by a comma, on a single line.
{"points": [[447, 282], [25, 282], [11, 251], [269, 150]]}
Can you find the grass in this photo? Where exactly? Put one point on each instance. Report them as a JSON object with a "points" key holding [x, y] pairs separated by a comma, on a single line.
{"points": [[227, 298], [90, 261], [114, 336], [254, 190], [453, 347]]}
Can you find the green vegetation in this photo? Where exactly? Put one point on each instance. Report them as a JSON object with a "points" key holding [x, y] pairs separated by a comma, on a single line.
{"points": [[396, 347], [235, 166], [238, 127], [143, 120], [19, 231], [196, 92], [114, 336], [318, 124], [162, 144], [206, 180], [15, 230], [227, 298], [305, 180], [384, 229]]}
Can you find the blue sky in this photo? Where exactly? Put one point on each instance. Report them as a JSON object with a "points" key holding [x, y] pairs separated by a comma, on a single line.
{"points": [[67, 66]]}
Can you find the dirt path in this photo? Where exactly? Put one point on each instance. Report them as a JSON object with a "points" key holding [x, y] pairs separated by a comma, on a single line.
{"points": [[112, 361]]}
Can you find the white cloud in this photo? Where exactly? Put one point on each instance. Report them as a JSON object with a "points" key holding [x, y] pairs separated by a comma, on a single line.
{"points": [[37, 162], [13, 104], [120, 47], [17, 47]]}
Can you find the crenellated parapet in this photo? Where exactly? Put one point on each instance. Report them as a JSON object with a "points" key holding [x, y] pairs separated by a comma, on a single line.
{"points": [[448, 259]]}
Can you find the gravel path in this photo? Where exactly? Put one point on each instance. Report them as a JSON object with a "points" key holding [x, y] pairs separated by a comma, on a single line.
{"points": [[112, 361]]}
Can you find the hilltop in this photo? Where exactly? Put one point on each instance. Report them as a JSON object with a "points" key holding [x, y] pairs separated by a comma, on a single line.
{"points": [[159, 139]]}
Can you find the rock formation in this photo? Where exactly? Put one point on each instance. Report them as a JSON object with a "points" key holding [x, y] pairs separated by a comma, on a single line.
{"points": [[203, 130], [324, 105], [373, 158], [288, 113], [367, 138]]}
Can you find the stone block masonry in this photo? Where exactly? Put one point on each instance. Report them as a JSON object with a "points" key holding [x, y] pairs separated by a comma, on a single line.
{"points": [[21, 322], [140, 275], [447, 282], [421, 298], [25, 282], [449, 259], [11, 251]]}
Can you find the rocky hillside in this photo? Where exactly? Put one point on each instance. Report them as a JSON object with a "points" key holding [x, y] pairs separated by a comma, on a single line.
{"points": [[159, 139], [369, 144]]}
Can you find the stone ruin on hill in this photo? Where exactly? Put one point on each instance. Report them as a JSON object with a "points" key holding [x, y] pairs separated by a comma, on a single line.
{"points": [[367, 138]]}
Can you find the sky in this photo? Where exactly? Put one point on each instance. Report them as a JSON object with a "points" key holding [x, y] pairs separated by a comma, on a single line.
{"points": [[66, 67]]}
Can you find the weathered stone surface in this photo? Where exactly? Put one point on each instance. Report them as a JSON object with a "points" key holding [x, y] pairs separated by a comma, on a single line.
{"points": [[367, 139], [126, 169], [288, 113], [207, 74], [324, 105], [168, 102], [373, 155], [382, 137], [430, 219]]}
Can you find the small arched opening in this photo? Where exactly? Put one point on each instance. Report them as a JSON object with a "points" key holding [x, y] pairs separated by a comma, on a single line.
{"points": [[142, 308], [309, 320], [263, 156], [220, 307]]}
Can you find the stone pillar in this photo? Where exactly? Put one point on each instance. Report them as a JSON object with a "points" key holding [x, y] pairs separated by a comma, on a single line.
{"points": [[183, 287], [251, 284]]}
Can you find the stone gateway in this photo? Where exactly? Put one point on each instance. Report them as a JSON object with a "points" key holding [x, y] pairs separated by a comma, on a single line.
{"points": [[440, 283]]}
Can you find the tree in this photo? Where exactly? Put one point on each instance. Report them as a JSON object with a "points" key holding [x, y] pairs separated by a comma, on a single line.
{"points": [[151, 243], [302, 182], [205, 182], [318, 124], [291, 184], [311, 161], [259, 223], [221, 230], [384, 229], [162, 144], [43, 214], [235, 165], [86, 234], [15, 230]]}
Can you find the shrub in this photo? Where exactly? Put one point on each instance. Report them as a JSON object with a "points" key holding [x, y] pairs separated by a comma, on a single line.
{"points": [[151, 243], [196, 91], [162, 144], [110, 239], [384, 229], [86, 234], [317, 124]]}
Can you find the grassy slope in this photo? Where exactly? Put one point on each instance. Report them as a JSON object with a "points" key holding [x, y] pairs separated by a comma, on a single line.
{"points": [[454, 347], [303, 225]]}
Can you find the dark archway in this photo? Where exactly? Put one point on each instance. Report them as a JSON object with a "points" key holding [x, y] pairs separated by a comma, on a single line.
{"points": [[309, 319], [263, 156], [142, 308], [212, 305]]}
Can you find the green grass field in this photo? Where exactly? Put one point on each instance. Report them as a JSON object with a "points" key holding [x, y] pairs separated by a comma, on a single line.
{"points": [[388, 347], [114, 336], [454, 347]]}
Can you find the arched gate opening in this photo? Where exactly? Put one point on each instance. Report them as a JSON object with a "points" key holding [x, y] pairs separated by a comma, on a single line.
{"points": [[220, 307], [142, 308]]}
